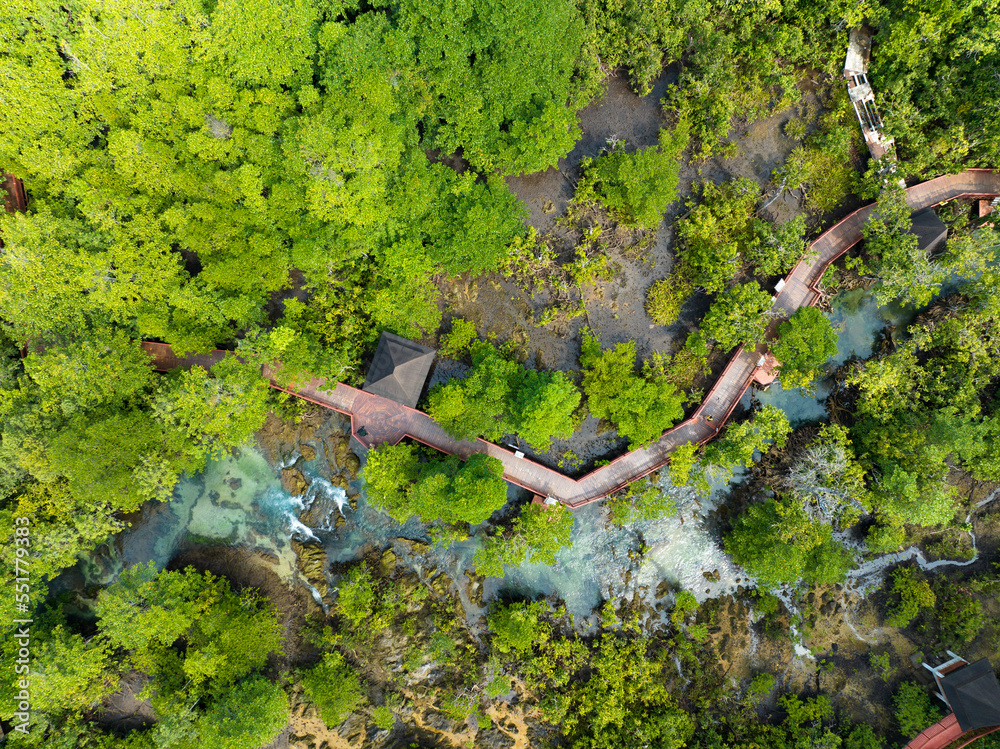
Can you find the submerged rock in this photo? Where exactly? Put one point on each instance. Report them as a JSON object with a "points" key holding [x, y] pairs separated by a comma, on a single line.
{"points": [[352, 464], [310, 558], [294, 481]]}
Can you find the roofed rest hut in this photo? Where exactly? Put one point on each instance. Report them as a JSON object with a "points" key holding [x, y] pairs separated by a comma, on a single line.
{"points": [[930, 230], [399, 369]]}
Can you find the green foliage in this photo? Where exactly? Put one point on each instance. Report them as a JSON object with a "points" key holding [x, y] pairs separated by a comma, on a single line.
{"points": [[642, 501], [186, 191], [957, 617], [716, 232], [665, 297], [737, 445], [91, 373], [625, 700], [682, 461], [884, 538], [818, 167], [543, 407], [69, 673], [936, 129], [535, 536], [334, 687], [443, 489], [905, 271], [383, 718], [251, 714], [919, 408], [500, 396], [914, 709], [212, 415], [636, 187], [189, 631], [881, 663], [507, 98], [641, 407], [777, 248], [760, 686], [518, 627], [806, 342], [911, 593], [460, 339], [738, 317], [636, 36], [356, 600], [779, 544]]}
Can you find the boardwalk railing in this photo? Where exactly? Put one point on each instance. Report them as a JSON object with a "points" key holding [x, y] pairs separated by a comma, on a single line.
{"points": [[386, 422]]}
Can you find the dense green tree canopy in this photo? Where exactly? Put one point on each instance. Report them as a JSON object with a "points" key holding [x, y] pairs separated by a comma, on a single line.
{"points": [[779, 544], [636, 187], [806, 342], [501, 397], [642, 407], [738, 317], [535, 536], [443, 489]]}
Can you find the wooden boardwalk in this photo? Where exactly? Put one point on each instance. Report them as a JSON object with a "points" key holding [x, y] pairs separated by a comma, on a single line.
{"points": [[385, 421]]}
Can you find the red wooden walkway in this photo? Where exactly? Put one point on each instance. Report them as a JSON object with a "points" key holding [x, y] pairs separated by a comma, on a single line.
{"points": [[386, 421]]}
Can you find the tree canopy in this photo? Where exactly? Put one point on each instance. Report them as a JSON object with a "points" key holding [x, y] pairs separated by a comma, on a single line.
{"points": [[642, 407], [806, 342], [500, 397], [443, 489]]}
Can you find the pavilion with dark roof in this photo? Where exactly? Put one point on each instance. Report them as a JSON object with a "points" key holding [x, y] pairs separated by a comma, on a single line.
{"points": [[930, 230], [970, 690], [399, 369]]}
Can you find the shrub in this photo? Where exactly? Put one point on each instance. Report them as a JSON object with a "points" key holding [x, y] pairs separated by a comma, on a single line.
{"points": [[637, 187], [885, 537], [665, 298], [251, 714], [459, 340], [518, 628], [806, 342], [957, 616], [334, 688], [913, 594], [498, 686], [383, 717], [738, 317], [914, 709], [760, 686]]}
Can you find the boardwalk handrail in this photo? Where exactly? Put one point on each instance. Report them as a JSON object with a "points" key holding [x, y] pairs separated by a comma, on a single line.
{"points": [[801, 288], [392, 422]]}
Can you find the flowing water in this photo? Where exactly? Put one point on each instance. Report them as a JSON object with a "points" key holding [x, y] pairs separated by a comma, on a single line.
{"points": [[858, 319], [236, 500], [240, 500]]}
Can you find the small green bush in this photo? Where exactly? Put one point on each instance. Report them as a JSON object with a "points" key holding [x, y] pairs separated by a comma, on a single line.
{"points": [[334, 688], [760, 686], [912, 594], [914, 709], [637, 187], [383, 717], [459, 340], [498, 686], [665, 298], [518, 628]]}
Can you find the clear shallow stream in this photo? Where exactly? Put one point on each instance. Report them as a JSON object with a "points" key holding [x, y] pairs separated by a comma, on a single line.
{"points": [[240, 500]]}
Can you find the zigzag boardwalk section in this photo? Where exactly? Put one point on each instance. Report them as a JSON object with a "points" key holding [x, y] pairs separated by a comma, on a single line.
{"points": [[376, 420]]}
